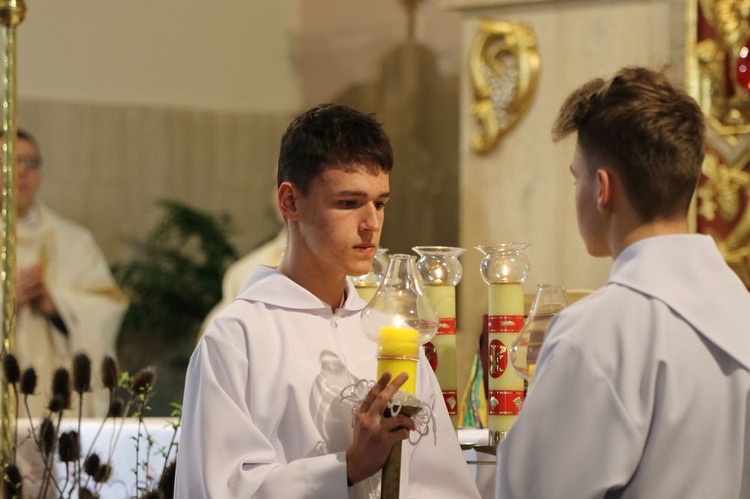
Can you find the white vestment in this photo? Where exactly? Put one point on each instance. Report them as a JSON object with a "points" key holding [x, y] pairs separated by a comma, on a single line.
{"points": [[262, 415], [88, 301], [642, 390]]}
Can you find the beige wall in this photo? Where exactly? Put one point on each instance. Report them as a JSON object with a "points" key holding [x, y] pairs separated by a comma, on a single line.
{"points": [[226, 55], [187, 99], [342, 42], [522, 191]]}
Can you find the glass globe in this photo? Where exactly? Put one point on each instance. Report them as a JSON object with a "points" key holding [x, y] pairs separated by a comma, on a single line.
{"points": [[400, 301]]}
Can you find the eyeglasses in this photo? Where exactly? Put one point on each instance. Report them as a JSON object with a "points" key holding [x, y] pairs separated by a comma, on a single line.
{"points": [[29, 163]]}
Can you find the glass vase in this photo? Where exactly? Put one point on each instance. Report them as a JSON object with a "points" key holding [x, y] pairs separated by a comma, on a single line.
{"points": [[550, 299]]}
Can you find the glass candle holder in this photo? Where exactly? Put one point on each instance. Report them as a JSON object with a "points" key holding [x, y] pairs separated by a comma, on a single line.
{"points": [[399, 318]]}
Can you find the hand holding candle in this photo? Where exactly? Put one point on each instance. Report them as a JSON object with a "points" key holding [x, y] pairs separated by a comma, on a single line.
{"points": [[375, 434]]}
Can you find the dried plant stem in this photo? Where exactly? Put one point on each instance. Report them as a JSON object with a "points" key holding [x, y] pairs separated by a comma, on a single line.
{"points": [[47, 467], [78, 461], [15, 431], [52, 455], [172, 444]]}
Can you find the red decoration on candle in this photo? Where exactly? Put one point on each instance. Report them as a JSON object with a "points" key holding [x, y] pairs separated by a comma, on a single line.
{"points": [[498, 358]]}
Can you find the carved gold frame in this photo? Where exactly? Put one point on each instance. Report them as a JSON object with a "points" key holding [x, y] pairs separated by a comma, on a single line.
{"points": [[726, 183], [503, 66]]}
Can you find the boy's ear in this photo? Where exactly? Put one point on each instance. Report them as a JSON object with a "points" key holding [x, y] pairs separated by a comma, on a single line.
{"points": [[287, 200], [604, 196]]}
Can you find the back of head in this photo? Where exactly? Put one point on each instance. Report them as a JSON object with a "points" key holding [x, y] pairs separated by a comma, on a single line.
{"points": [[331, 136], [648, 132]]}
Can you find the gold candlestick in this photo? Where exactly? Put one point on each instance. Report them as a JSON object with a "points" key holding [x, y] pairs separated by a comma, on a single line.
{"points": [[441, 272], [12, 13], [505, 268]]}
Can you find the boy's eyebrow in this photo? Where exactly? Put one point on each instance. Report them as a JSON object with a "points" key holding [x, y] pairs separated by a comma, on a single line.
{"points": [[362, 194]]}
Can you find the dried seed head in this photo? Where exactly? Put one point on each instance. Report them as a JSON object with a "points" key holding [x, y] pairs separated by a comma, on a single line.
{"points": [[28, 381], [47, 436], [116, 408], [143, 381], [10, 368], [61, 387], [82, 373], [110, 373], [91, 465], [69, 447], [105, 471]]}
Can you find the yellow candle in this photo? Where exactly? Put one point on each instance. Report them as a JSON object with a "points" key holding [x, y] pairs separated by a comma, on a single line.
{"points": [[505, 386], [443, 359], [398, 350]]}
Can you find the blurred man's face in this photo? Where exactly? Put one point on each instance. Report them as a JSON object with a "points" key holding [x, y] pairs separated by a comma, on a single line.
{"points": [[28, 175]]}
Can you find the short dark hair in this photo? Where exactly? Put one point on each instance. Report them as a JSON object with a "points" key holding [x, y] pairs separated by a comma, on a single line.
{"points": [[26, 135], [646, 130], [331, 136]]}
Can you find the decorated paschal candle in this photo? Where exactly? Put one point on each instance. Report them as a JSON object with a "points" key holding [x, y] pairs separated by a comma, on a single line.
{"points": [[504, 268], [441, 272], [367, 284]]}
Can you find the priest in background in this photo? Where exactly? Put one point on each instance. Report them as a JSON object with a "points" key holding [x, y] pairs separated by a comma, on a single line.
{"points": [[67, 300]]}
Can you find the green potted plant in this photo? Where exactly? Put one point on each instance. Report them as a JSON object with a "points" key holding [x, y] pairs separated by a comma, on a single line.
{"points": [[173, 281]]}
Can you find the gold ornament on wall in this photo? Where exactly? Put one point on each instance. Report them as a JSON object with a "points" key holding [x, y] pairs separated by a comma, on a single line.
{"points": [[503, 64], [719, 78]]}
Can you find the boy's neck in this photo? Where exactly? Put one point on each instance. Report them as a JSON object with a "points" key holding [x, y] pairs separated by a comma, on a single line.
{"points": [[327, 285], [625, 236]]}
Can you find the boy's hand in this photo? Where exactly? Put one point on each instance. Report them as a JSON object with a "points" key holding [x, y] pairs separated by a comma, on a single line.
{"points": [[375, 434]]}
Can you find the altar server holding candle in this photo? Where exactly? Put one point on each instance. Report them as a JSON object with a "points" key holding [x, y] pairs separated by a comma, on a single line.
{"points": [[262, 412], [642, 389]]}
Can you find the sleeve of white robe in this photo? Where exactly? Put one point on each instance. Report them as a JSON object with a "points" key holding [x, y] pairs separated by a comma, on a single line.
{"points": [[438, 469], [224, 454], [560, 447]]}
